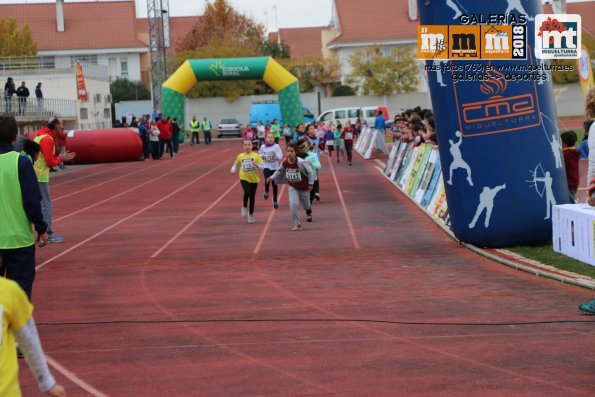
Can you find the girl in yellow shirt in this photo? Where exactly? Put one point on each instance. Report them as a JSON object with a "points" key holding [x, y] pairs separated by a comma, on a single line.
{"points": [[249, 164]]}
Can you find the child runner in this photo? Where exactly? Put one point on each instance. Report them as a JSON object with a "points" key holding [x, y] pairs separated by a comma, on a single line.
{"points": [[276, 130], [329, 143], [271, 155], [249, 163], [339, 142], [287, 134], [347, 137], [300, 178], [308, 152]]}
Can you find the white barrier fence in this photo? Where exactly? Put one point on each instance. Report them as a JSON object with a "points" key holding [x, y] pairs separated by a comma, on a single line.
{"points": [[417, 172], [369, 140]]}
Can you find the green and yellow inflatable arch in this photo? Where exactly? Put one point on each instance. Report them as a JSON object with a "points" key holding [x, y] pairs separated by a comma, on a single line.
{"points": [[262, 68]]}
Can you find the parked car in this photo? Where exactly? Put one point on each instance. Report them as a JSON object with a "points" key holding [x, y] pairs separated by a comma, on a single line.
{"points": [[270, 110], [343, 115], [229, 127]]}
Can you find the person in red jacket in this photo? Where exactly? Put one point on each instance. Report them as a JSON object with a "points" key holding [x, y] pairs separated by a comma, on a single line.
{"points": [[571, 159], [347, 137], [165, 135], [46, 138]]}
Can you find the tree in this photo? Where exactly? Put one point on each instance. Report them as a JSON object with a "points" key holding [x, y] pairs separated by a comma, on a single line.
{"points": [[275, 49], [126, 90], [343, 90], [222, 26], [14, 41], [313, 72], [231, 90], [377, 74]]}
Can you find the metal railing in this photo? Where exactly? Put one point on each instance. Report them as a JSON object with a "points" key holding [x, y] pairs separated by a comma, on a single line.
{"points": [[38, 108], [48, 64]]}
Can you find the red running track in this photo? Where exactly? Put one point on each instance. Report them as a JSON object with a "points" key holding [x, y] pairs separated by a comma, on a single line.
{"points": [[161, 288]]}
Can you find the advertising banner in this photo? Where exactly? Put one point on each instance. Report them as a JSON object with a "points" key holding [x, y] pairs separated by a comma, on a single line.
{"points": [[81, 87], [495, 115]]}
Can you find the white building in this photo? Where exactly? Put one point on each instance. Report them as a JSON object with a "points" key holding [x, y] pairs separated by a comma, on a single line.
{"points": [[102, 32]]}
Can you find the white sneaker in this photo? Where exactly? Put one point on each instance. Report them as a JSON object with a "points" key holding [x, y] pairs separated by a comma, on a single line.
{"points": [[250, 218], [244, 211], [297, 227]]}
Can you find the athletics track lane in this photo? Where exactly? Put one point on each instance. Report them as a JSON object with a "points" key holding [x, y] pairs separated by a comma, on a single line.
{"points": [[309, 314]]}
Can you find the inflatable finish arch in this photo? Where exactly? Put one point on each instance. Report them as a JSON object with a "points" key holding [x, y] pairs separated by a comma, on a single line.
{"points": [[262, 68], [502, 162]]}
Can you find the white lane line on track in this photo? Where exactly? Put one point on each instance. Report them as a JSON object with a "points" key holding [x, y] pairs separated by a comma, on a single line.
{"points": [[127, 218], [74, 379], [178, 234], [266, 226], [134, 188], [86, 176], [145, 168], [345, 210]]}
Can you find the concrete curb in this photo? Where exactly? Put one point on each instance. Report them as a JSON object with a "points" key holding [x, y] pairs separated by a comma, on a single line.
{"points": [[502, 256]]}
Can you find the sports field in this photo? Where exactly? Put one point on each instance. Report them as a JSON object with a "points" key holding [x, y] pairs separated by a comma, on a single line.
{"points": [[163, 289]]}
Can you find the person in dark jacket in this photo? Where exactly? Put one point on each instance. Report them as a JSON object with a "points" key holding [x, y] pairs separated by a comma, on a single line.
{"points": [[19, 191], [175, 137], [9, 91], [23, 94], [39, 96]]}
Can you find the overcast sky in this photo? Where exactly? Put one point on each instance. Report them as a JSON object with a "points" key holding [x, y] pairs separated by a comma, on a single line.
{"points": [[288, 13]]}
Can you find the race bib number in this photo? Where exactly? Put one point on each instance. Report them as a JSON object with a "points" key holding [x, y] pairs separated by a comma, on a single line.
{"points": [[248, 165], [250, 136], [269, 157], [348, 136], [293, 175], [330, 143]]}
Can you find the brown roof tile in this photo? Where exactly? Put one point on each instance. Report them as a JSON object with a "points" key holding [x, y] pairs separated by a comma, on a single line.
{"points": [[87, 25], [302, 42], [388, 20]]}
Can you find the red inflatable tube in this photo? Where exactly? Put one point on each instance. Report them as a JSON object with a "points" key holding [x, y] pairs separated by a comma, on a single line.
{"points": [[104, 146]]}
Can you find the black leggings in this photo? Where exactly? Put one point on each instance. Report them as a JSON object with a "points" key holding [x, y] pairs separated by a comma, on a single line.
{"points": [[249, 193], [267, 174]]}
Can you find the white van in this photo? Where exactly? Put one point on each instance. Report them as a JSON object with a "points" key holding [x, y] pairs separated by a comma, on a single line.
{"points": [[342, 115]]}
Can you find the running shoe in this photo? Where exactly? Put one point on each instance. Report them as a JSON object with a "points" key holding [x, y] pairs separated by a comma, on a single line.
{"points": [[297, 227], [317, 196], [244, 211], [55, 239], [587, 308], [266, 195], [275, 205], [250, 218], [309, 218]]}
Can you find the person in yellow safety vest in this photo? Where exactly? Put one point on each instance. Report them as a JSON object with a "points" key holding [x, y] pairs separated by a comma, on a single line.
{"points": [[206, 129], [21, 207], [194, 128]]}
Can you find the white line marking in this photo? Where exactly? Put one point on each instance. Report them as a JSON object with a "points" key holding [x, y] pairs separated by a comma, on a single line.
{"points": [[171, 240], [104, 182], [87, 175], [266, 227], [345, 211], [127, 218], [134, 188], [74, 379]]}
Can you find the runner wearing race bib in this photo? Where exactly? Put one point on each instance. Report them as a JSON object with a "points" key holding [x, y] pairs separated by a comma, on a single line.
{"points": [[248, 163], [271, 155], [347, 137], [300, 178]]}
